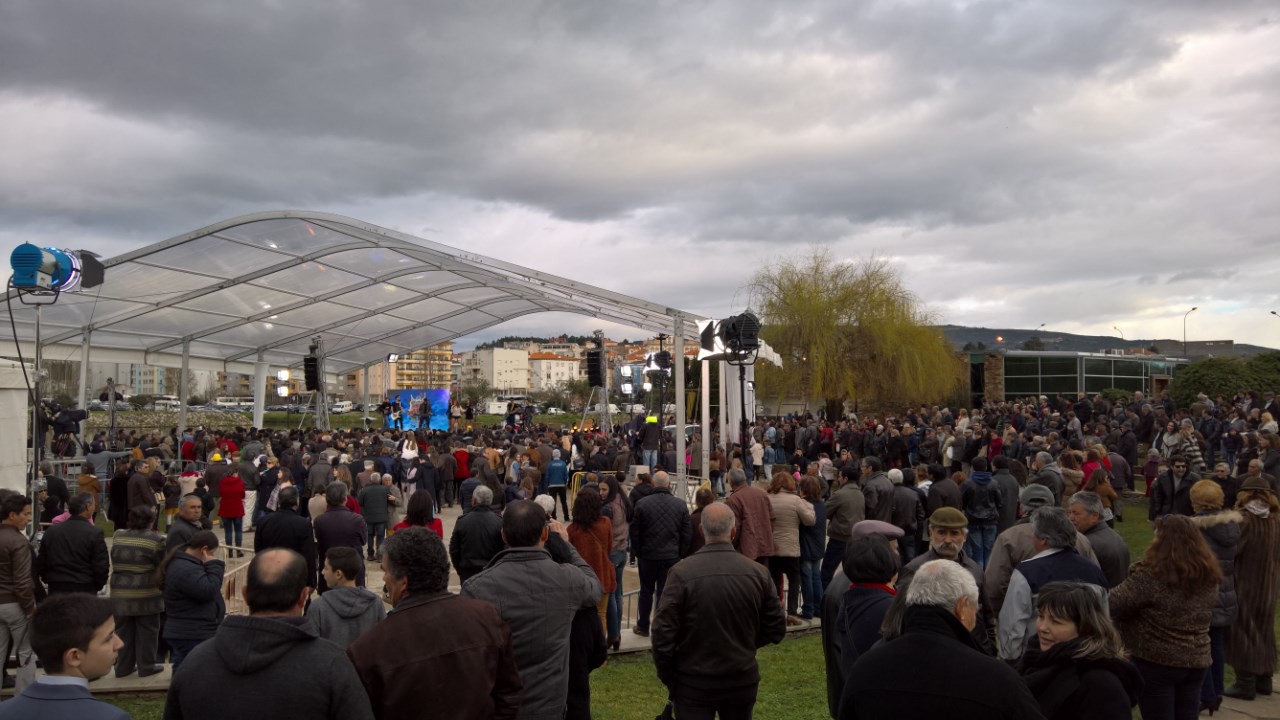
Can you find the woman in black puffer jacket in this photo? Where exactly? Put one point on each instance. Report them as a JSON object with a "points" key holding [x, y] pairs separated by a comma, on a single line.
{"points": [[191, 578], [1081, 670], [1221, 530]]}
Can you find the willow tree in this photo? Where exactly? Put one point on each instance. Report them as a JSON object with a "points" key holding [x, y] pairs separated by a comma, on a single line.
{"points": [[848, 331]]}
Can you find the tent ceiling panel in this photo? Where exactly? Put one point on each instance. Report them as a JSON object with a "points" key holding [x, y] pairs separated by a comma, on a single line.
{"points": [[169, 322], [376, 296], [432, 281], [314, 315], [424, 310], [265, 284], [373, 326], [211, 256], [371, 262], [244, 300], [308, 278], [286, 235], [246, 336]]}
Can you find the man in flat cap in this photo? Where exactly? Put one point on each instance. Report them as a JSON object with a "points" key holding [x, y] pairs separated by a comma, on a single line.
{"points": [[948, 529]]}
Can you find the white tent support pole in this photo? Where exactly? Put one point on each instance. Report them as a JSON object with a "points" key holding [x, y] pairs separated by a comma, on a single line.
{"points": [[182, 389], [82, 400], [682, 469], [706, 417], [725, 440], [259, 390]]}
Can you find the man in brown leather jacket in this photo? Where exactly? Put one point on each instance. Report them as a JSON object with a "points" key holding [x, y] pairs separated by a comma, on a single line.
{"points": [[717, 609], [434, 638]]}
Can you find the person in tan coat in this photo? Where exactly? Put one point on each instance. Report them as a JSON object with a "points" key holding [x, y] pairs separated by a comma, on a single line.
{"points": [[753, 516], [1018, 543], [789, 513]]}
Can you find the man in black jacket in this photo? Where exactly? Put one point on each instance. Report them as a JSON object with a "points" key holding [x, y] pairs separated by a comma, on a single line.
{"points": [[285, 528], [660, 536], [935, 643], [273, 657], [73, 555], [717, 609], [1171, 494], [477, 536]]}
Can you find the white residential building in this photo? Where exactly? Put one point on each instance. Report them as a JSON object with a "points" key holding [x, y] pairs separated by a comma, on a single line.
{"points": [[548, 371], [507, 370]]}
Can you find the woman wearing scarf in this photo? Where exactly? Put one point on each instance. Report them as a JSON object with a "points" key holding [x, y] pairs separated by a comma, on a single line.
{"points": [[1251, 641]]}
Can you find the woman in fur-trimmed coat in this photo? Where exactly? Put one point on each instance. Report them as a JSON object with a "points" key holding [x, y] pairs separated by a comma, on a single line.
{"points": [[1251, 642], [1221, 530]]}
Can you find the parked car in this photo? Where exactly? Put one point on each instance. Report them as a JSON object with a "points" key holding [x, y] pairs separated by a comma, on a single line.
{"points": [[554, 411]]}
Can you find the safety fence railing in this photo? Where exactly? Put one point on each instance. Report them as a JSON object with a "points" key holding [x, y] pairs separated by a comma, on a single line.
{"points": [[237, 571]]}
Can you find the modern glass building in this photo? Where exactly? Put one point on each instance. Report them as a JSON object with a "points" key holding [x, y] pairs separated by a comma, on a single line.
{"points": [[1021, 373]]}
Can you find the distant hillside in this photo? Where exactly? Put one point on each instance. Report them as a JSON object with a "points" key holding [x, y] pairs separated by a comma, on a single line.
{"points": [[959, 335]]}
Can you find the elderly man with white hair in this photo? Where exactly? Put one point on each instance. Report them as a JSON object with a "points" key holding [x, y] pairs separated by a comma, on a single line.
{"points": [[933, 669]]}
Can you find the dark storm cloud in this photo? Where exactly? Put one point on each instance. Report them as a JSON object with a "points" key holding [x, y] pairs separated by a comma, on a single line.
{"points": [[1094, 147]]}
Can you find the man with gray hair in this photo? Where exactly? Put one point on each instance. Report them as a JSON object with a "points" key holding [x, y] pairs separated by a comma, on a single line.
{"points": [[1049, 475], [1018, 543], [936, 644], [709, 666], [1056, 560], [477, 535], [338, 526], [187, 522], [753, 515], [1085, 510]]}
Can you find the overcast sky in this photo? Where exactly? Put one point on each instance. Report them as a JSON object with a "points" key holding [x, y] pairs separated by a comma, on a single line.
{"points": [[1087, 164]]}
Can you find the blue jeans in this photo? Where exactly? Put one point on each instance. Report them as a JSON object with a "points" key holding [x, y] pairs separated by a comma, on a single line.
{"points": [[653, 578], [377, 532], [234, 526], [613, 617], [811, 584], [982, 538], [1213, 686], [179, 649], [649, 458]]}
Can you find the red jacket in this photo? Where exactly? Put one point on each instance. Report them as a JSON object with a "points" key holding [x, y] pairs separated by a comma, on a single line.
{"points": [[354, 505], [463, 469], [232, 489], [436, 526]]}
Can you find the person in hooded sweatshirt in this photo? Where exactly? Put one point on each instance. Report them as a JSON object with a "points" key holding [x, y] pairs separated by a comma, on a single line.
{"points": [[271, 662], [981, 502], [346, 611]]}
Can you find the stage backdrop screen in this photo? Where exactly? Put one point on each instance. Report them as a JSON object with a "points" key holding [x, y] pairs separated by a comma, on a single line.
{"points": [[419, 407]]}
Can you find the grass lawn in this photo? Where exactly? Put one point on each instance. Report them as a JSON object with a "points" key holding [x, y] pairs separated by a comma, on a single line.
{"points": [[793, 683]]}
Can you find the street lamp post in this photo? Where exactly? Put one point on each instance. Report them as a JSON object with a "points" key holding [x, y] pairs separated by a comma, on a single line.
{"points": [[1113, 327], [1184, 329]]}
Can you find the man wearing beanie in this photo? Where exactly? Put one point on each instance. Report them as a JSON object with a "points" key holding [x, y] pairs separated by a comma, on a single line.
{"points": [[1018, 543], [557, 480]]}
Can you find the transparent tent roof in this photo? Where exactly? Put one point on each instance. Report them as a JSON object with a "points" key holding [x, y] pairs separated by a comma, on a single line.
{"points": [[260, 287]]}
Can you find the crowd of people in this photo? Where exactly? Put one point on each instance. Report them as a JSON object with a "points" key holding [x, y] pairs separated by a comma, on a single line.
{"points": [[961, 562]]}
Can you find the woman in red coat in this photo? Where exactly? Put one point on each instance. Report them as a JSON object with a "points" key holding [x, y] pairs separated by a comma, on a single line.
{"points": [[591, 534], [231, 510]]}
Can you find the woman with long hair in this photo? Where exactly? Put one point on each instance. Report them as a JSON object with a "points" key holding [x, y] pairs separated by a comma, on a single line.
{"points": [[136, 554], [1221, 530], [617, 508], [191, 578], [1099, 481], [421, 513], [591, 534], [1163, 610], [789, 513], [1072, 476], [1082, 670], [1251, 639]]}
